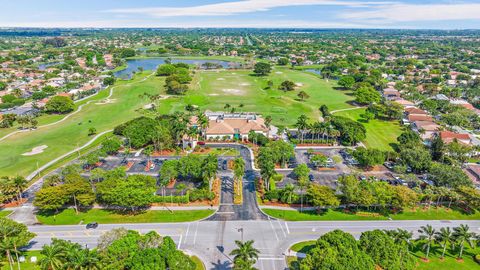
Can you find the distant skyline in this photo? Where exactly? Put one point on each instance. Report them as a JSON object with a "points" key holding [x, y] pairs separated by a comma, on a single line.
{"points": [[398, 14]]}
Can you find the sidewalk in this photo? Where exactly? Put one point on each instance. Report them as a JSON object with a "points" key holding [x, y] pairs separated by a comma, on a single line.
{"points": [[290, 208]]}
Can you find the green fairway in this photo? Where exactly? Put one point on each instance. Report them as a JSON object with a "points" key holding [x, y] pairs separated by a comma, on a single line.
{"points": [[69, 217], [5, 213], [209, 90], [380, 134], [408, 214], [212, 90], [73, 132]]}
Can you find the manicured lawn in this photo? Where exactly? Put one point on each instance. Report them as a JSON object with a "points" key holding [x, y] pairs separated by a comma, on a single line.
{"points": [[303, 247], [434, 263], [209, 90], [68, 217], [212, 90], [73, 132], [450, 261], [5, 213], [27, 265], [198, 263], [408, 214], [380, 134]]}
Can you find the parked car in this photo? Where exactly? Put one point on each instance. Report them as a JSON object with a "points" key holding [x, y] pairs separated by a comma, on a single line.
{"points": [[311, 177], [92, 225], [201, 143], [389, 165]]}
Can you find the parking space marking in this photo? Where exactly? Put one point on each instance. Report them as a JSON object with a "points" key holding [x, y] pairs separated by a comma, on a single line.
{"points": [[195, 236], [274, 231], [186, 234]]}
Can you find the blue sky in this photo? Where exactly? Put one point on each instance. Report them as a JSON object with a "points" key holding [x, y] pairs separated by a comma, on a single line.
{"points": [[440, 14]]}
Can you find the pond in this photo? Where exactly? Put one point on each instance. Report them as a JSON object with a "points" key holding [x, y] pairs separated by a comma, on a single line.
{"points": [[316, 71], [152, 63]]}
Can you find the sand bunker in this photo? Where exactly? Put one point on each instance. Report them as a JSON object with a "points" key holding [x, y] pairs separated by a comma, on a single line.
{"points": [[35, 150], [278, 72], [299, 84], [221, 79], [236, 92], [244, 84], [106, 101], [233, 73], [213, 94]]}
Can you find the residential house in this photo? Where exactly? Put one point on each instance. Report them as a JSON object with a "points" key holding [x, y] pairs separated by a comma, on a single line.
{"points": [[449, 136], [426, 129]]}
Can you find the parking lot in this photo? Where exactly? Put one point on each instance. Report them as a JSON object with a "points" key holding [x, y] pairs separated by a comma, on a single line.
{"points": [[323, 175]]}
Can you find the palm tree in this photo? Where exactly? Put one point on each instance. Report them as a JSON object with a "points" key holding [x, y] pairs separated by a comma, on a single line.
{"points": [[462, 235], [287, 193], [427, 234], [268, 121], [443, 237], [238, 170], [52, 257], [302, 125], [400, 236], [203, 122], [210, 169], [245, 251]]}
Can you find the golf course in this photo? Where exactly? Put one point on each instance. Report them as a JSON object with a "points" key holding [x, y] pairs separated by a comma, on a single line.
{"points": [[24, 152]]}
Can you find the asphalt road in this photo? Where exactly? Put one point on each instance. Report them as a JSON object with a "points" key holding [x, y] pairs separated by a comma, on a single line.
{"points": [[214, 238], [212, 241]]}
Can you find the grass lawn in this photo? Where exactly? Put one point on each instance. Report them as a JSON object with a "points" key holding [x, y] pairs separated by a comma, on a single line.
{"points": [[408, 214], [213, 89], [27, 265], [380, 134], [209, 90], [434, 263], [5, 213], [199, 264], [303, 247], [68, 216], [73, 132]]}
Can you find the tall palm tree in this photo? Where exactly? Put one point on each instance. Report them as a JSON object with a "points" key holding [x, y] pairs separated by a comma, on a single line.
{"points": [[210, 169], [302, 125], [203, 122], [52, 258], [245, 251], [427, 234], [238, 170], [268, 121], [462, 235], [443, 237]]}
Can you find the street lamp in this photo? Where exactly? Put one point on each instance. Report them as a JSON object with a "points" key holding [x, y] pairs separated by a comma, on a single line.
{"points": [[241, 231]]}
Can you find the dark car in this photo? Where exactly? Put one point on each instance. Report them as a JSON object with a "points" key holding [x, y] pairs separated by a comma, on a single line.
{"points": [[201, 143], [310, 177], [92, 225]]}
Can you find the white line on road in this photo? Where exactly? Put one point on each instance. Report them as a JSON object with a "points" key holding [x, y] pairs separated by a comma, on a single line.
{"points": [[186, 234], [180, 242], [286, 226], [280, 224], [195, 236], [271, 224]]}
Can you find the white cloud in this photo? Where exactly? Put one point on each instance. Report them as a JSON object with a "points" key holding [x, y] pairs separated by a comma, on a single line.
{"points": [[237, 7], [421, 12], [183, 24]]}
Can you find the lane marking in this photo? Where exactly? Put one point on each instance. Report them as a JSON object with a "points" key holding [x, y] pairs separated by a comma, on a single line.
{"points": [[186, 234], [195, 237], [273, 229], [286, 226], [280, 224], [180, 242]]}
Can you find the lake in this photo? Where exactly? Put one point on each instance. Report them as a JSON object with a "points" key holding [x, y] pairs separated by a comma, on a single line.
{"points": [[153, 63], [316, 71]]}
